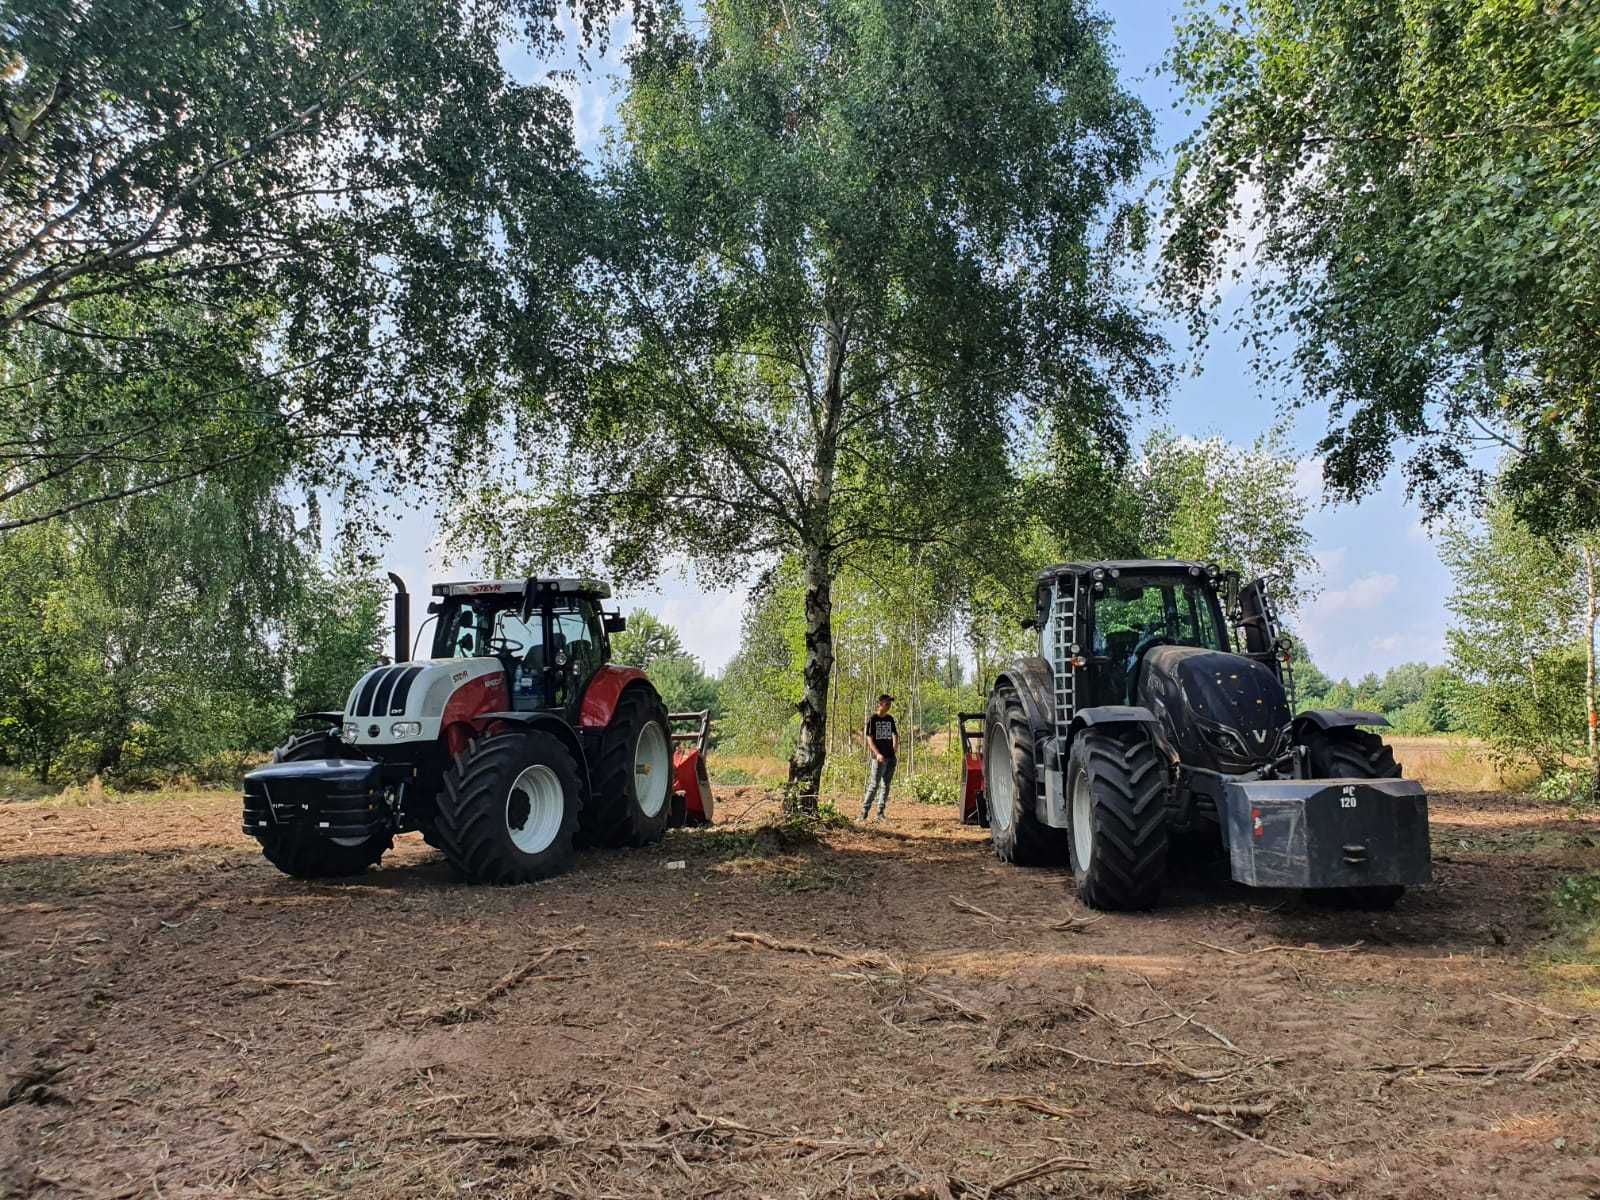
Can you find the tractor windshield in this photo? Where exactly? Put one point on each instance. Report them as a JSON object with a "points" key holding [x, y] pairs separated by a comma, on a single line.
{"points": [[1137, 611], [467, 628]]}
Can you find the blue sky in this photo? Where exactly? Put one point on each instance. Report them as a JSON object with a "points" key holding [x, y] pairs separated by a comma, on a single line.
{"points": [[1382, 589]]}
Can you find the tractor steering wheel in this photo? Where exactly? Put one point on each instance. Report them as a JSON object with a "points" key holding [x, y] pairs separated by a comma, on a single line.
{"points": [[506, 646], [1148, 642]]}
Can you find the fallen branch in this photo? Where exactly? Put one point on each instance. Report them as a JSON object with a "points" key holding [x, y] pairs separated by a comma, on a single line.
{"points": [[1068, 925], [1251, 1138], [1543, 1011], [1166, 1062], [1527, 1069], [1543, 1064], [1276, 949], [964, 1010], [279, 981], [1191, 1019], [468, 1010], [496, 1137], [1034, 1103], [1194, 1108], [303, 1147], [871, 958], [1050, 1166]]}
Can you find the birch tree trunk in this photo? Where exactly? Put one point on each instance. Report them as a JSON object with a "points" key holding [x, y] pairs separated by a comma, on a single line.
{"points": [[1591, 612], [811, 748]]}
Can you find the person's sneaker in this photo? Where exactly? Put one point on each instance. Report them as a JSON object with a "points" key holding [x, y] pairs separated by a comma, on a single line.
{"points": [[866, 814], [881, 815]]}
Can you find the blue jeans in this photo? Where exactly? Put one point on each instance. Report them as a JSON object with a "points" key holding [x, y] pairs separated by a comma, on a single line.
{"points": [[878, 772]]}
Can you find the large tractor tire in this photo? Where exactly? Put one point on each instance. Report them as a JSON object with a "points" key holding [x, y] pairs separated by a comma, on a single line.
{"points": [[301, 851], [631, 802], [509, 808], [1352, 754], [1010, 781], [1117, 803]]}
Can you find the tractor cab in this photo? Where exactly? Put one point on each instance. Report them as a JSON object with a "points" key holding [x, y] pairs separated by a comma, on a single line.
{"points": [[549, 634], [1130, 609]]}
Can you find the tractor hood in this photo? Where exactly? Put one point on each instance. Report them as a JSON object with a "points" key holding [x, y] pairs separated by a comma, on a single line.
{"points": [[407, 702], [1222, 711]]}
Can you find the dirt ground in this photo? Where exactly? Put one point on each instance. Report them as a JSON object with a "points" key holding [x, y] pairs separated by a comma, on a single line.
{"points": [[180, 1020]]}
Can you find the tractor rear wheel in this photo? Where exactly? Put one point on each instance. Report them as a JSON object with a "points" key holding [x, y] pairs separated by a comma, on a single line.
{"points": [[1010, 781], [509, 808], [301, 851], [1116, 796], [631, 804], [1352, 754]]}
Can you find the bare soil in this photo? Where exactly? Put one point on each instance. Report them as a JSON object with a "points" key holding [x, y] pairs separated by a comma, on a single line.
{"points": [[889, 1012]]}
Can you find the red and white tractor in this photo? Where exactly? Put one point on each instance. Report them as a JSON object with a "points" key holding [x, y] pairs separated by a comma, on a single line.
{"points": [[516, 740]]}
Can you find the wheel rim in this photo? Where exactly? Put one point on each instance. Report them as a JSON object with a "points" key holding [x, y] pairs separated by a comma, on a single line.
{"points": [[1082, 820], [651, 773], [997, 781], [349, 842], [535, 806]]}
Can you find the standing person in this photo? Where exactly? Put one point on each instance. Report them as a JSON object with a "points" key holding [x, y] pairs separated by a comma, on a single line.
{"points": [[883, 743]]}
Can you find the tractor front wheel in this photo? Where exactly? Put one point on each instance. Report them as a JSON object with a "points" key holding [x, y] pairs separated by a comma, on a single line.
{"points": [[1352, 754], [509, 808], [1010, 781], [301, 851], [1116, 794], [632, 801]]}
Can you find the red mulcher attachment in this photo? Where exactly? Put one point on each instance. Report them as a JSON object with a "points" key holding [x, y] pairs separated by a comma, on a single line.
{"points": [[974, 803], [691, 785]]}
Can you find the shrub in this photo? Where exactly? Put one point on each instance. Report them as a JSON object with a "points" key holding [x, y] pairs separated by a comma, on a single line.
{"points": [[1566, 786], [932, 789], [1579, 896]]}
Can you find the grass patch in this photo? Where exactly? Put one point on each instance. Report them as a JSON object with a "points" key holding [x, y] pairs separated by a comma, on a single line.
{"points": [[1574, 960], [1447, 763]]}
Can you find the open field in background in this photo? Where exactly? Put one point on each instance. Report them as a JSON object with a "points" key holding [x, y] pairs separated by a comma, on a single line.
{"points": [[1443, 763], [883, 1012]]}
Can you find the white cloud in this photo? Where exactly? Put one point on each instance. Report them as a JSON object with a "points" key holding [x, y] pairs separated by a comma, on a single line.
{"points": [[1366, 592], [1330, 561], [1308, 479]]}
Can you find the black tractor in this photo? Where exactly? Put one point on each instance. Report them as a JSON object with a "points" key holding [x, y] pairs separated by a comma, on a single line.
{"points": [[1142, 733]]}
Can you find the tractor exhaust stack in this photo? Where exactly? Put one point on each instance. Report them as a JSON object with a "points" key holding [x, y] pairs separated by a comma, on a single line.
{"points": [[402, 619]]}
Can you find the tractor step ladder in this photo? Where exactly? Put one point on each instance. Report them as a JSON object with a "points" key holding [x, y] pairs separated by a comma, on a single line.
{"points": [[1066, 675]]}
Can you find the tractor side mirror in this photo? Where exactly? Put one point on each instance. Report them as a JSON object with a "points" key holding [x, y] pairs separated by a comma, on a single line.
{"points": [[614, 622], [530, 598], [1029, 624]]}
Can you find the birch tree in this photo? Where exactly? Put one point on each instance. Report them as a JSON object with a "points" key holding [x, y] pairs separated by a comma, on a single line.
{"points": [[858, 243]]}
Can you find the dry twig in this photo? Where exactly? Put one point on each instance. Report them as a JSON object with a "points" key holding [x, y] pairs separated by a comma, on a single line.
{"points": [[280, 981], [1353, 946], [1036, 1103], [1067, 925], [1267, 1146], [468, 1010], [1195, 1108], [870, 958], [1050, 1166]]}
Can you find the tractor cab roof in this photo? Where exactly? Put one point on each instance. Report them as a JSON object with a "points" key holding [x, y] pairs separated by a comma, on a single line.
{"points": [[563, 585], [1124, 566]]}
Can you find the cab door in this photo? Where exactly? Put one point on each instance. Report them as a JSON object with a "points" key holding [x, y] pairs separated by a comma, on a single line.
{"points": [[577, 644]]}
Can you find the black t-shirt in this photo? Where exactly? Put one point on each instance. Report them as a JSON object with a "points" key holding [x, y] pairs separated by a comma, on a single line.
{"points": [[880, 732]]}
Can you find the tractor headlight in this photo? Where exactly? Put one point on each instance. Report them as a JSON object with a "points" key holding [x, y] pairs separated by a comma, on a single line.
{"points": [[349, 731], [1097, 574], [405, 729]]}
